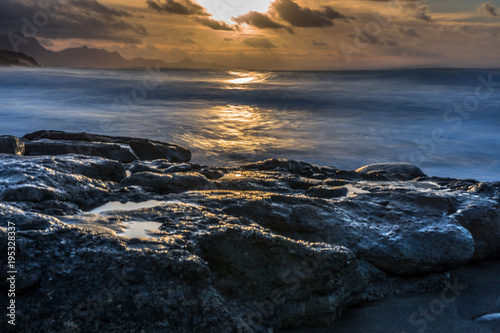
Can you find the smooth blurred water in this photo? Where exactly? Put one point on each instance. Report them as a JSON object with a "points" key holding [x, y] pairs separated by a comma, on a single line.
{"points": [[344, 119]]}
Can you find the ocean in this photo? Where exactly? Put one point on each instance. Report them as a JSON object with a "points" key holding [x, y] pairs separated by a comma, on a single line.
{"points": [[446, 121]]}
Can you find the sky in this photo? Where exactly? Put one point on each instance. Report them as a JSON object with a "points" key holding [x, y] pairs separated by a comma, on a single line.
{"points": [[271, 34]]}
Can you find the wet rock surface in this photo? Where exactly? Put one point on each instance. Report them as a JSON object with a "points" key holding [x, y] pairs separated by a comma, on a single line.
{"points": [[121, 153], [272, 244], [11, 145]]}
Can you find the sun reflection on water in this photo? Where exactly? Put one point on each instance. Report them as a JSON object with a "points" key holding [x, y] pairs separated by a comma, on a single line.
{"points": [[245, 77], [242, 131]]}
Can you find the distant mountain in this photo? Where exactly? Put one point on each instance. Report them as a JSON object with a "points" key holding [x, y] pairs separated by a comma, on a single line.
{"points": [[94, 58], [8, 58]]}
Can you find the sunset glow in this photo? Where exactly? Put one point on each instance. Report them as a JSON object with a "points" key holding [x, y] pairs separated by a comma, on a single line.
{"points": [[274, 34]]}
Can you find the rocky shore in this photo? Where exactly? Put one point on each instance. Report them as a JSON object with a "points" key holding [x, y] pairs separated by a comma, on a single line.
{"points": [[125, 235]]}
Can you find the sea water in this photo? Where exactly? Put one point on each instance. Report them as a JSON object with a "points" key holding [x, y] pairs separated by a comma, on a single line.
{"points": [[443, 120]]}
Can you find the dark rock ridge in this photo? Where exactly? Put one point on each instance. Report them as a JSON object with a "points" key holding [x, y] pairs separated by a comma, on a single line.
{"points": [[271, 244], [122, 149]]}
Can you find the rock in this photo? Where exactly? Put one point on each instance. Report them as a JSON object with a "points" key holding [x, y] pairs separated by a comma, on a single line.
{"points": [[406, 170], [144, 148], [11, 145], [483, 222], [433, 248], [296, 283], [153, 150], [327, 192], [25, 220], [179, 168], [118, 152], [281, 164], [167, 183], [406, 238], [251, 248], [29, 281], [212, 174], [75, 179], [158, 166]]}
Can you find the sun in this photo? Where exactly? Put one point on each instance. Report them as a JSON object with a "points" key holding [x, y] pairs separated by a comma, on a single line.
{"points": [[224, 10]]}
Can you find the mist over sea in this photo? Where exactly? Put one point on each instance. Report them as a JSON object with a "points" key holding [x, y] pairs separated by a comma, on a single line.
{"points": [[446, 121]]}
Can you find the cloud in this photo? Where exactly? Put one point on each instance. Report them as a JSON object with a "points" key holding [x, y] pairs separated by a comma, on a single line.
{"points": [[391, 43], [214, 24], [415, 9], [422, 13], [489, 9], [331, 13], [76, 19], [98, 8], [180, 7], [263, 43], [302, 17], [261, 21], [318, 43], [408, 32]]}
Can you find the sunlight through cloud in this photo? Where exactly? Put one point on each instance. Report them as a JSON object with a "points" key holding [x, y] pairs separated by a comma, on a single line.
{"points": [[225, 10]]}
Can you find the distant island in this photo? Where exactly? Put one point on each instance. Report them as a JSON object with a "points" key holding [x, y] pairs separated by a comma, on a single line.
{"points": [[9, 58], [85, 57]]}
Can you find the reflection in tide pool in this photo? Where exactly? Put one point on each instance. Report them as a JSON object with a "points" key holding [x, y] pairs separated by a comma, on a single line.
{"points": [[127, 206], [140, 229]]}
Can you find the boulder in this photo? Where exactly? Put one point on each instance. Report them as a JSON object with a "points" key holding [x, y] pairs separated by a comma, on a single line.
{"points": [[11, 145], [287, 282], [482, 219], [403, 169], [144, 148], [405, 237], [113, 151]]}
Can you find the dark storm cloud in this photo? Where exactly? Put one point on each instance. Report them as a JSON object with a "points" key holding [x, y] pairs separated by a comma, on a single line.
{"points": [[489, 9], [214, 24], [180, 7], [189, 8], [302, 17], [332, 14], [82, 19], [98, 8], [263, 43], [261, 21]]}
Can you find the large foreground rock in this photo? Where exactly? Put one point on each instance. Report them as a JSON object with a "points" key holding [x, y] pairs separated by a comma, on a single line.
{"points": [[289, 282], [270, 245], [404, 238], [144, 148]]}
